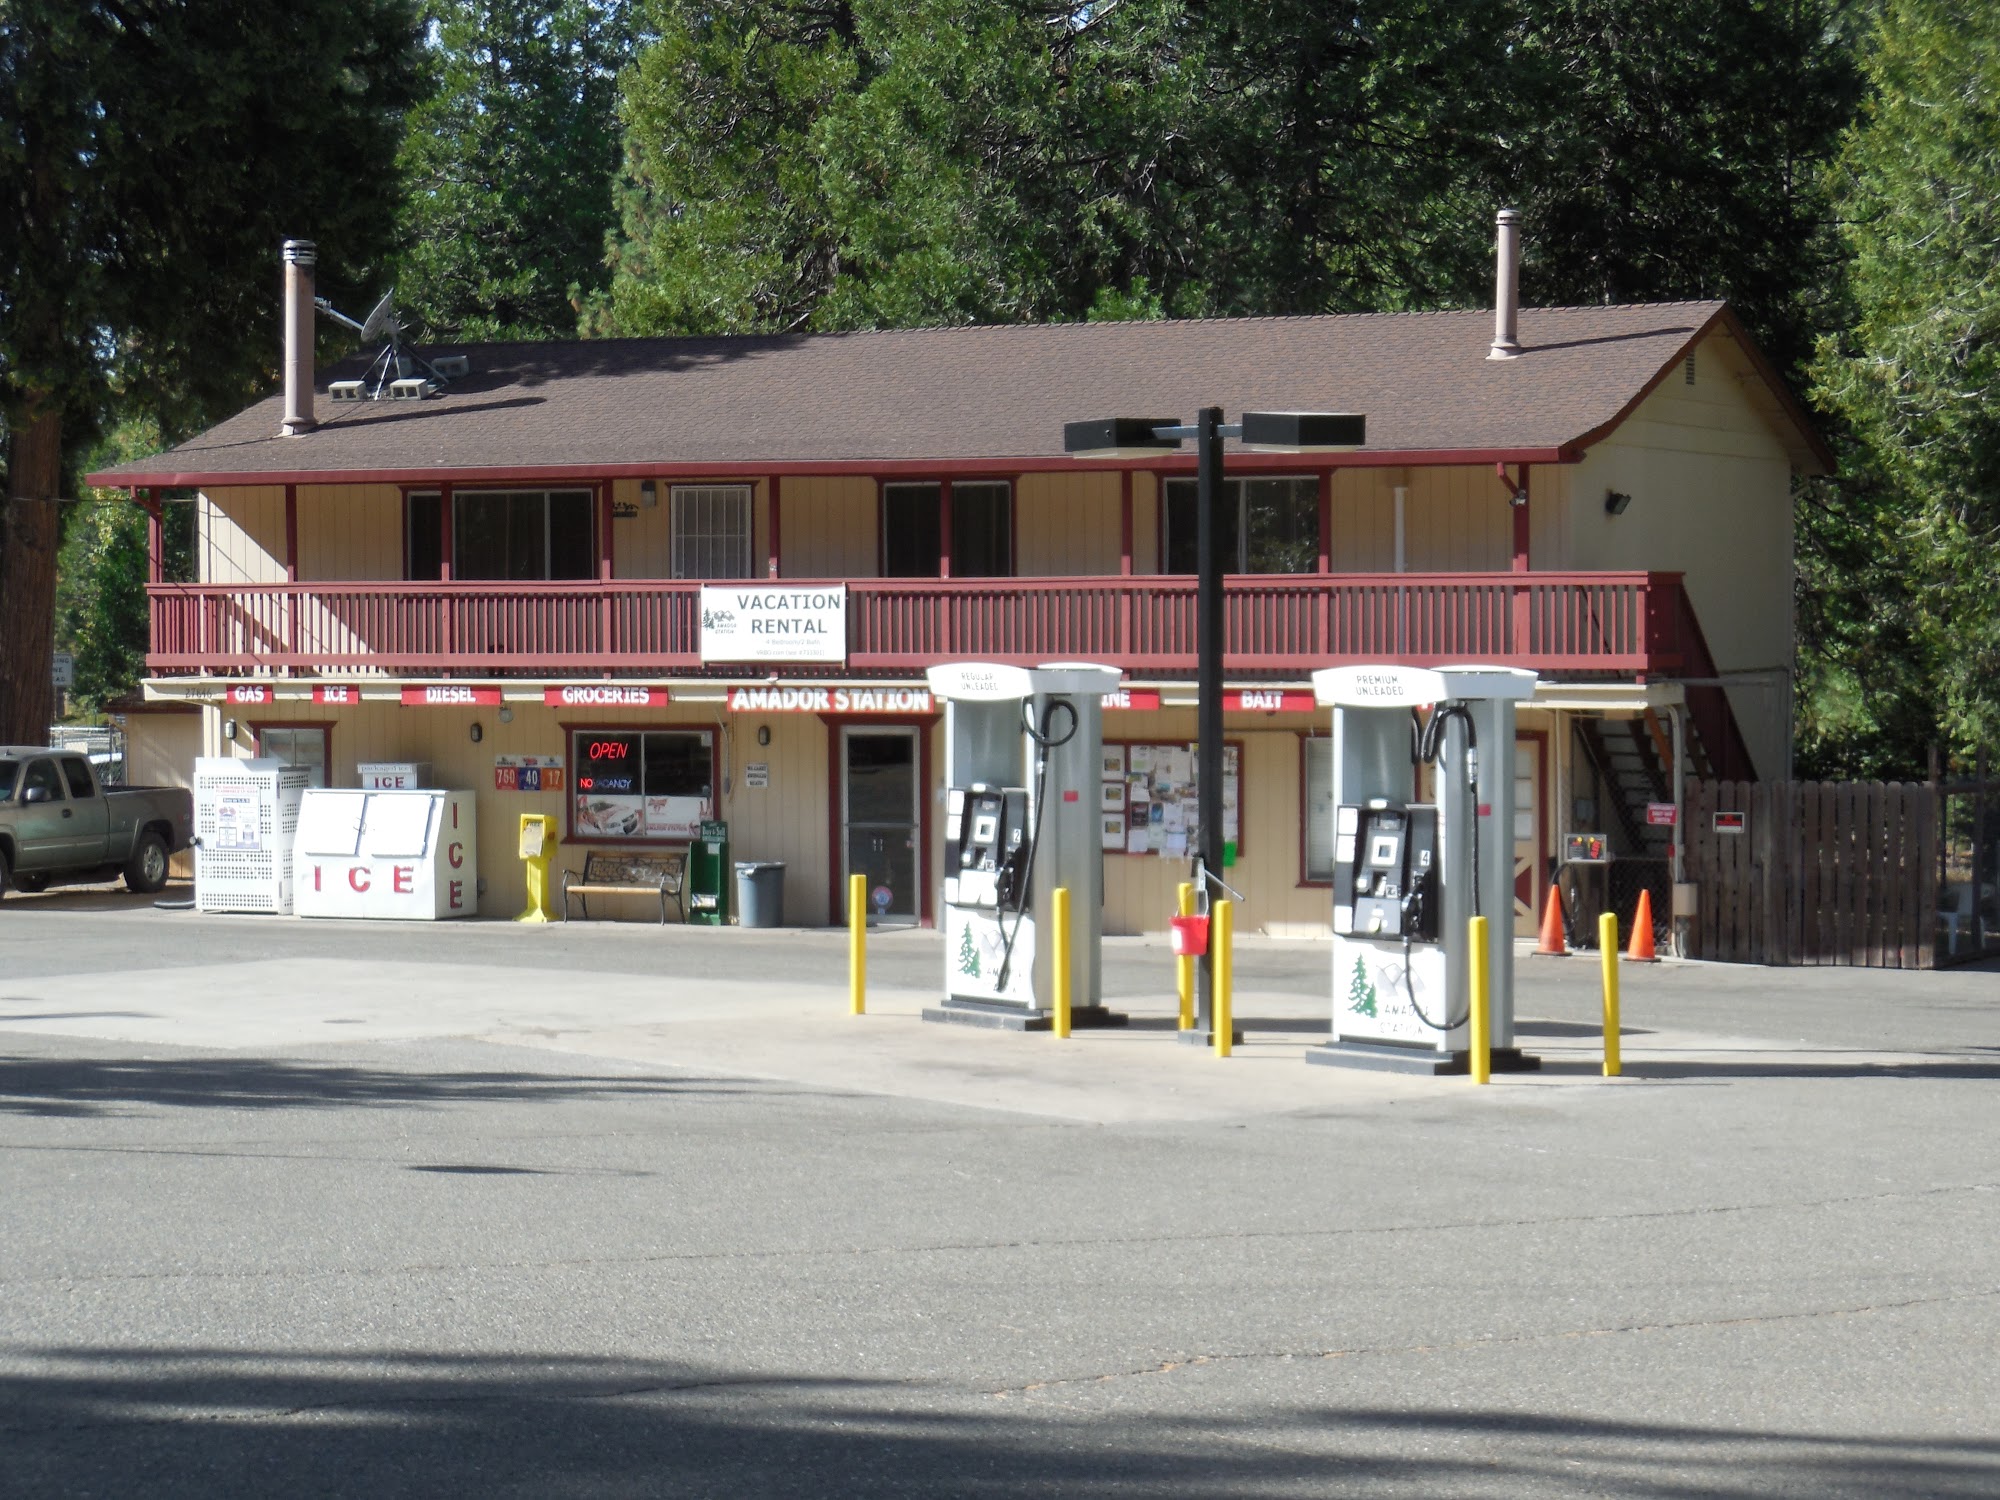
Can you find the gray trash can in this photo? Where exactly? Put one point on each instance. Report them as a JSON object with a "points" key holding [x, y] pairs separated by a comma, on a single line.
{"points": [[760, 893]]}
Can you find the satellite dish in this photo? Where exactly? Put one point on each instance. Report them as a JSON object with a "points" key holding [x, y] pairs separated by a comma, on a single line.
{"points": [[383, 318]]}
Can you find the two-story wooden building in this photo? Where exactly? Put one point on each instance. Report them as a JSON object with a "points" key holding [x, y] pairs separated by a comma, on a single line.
{"points": [[503, 579]]}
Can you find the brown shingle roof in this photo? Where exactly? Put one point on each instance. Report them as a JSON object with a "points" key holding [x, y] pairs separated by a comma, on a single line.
{"points": [[977, 394]]}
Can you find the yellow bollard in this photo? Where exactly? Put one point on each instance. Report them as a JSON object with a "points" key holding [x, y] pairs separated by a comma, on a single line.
{"points": [[538, 847], [1184, 967], [1059, 920], [857, 944], [1607, 953], [1221, 936], [1481, 1062]]}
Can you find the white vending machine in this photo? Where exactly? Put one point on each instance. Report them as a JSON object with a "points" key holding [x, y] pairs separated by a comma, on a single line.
{"points": [[246, 813], [404, 856]]}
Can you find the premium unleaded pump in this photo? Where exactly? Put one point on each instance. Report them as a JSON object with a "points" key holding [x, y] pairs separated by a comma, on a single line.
{"points": [[1409, 875]]}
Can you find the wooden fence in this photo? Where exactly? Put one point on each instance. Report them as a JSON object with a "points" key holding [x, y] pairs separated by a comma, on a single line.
{"points": [[1817, 872]]}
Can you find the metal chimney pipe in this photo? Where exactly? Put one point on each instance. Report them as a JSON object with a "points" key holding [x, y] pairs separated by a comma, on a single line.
{"points": [[1507, 294], [300, 258]]}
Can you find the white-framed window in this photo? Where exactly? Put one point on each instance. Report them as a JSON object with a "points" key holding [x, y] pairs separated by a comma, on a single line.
{"points": [[1266, 525], [712, 530], [1316, 793]]}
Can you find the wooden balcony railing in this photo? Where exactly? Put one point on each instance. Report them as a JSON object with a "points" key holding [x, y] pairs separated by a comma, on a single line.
{"points": [[1570, 623]]}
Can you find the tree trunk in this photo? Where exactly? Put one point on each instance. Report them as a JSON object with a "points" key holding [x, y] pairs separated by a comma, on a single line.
{"points": [[29, 533]]}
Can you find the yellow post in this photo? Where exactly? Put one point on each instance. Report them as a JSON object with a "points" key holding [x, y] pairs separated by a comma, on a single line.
{"points": [[1221, 934], [1607, 953], [857, 944], [1059, 919], [1184, 967], [538, 846], [1482, 1002]]}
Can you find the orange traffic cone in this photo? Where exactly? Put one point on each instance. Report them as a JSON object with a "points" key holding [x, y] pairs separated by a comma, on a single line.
{"points": [[1640, 950], [1552, 944]]}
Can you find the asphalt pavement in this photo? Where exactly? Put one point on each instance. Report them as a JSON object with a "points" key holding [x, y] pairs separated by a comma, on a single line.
{"points": [[375, 1209]]}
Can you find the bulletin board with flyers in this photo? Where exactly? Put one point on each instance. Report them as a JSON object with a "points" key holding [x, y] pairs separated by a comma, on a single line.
{"points": [[1149, 801]]}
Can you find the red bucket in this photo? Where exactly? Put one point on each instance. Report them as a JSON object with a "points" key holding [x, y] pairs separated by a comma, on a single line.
{"points": [[1189, 936]]}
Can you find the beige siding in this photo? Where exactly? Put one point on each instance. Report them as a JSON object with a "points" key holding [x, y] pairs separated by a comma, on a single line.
{"points": [[241, 535], [1711, 498], [828, 528], [1458, 521], [1067, 525], [1145, 523], [350, 533], [1362, 536], [160, 750]]}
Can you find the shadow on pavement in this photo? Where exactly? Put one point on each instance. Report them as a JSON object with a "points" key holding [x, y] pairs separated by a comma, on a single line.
{"points": [[101, 1086], [212, 1423]]}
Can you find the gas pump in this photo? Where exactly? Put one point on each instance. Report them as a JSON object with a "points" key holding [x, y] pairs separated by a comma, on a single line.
{"points": [[1023, 749], [1409, 876]]}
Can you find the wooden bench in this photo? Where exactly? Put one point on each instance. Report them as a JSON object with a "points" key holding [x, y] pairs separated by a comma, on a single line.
{"points": [[623, 873]]}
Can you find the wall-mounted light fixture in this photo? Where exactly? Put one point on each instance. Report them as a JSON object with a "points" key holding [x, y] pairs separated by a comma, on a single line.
{"points": [[506, 715], [229, 729], [649, 494], [1615, 502], [478, 731], [763, 734]]}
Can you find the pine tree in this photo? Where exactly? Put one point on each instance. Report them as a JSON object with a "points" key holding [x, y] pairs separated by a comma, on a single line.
{"points": [[1360, 993], [968, 954], [152, 158]]}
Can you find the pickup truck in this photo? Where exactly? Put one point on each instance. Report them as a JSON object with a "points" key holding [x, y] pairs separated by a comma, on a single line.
{"points": [[57, 823]]}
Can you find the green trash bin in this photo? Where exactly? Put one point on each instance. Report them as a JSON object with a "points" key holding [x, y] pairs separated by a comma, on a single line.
{"points": [[708, 876]]}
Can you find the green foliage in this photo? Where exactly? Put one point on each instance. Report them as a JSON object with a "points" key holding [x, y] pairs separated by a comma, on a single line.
{"points": [[509, 162], [153, 153], [1677, 150], [101, 613], [1916, 377], [159, 154]]}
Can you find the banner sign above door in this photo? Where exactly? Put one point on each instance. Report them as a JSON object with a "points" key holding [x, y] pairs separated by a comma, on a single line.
{"points": [[773, 623], [799, 700]]}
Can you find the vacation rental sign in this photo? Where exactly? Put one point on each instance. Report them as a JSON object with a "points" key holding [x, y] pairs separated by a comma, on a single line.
{"points": [[773, 623]]}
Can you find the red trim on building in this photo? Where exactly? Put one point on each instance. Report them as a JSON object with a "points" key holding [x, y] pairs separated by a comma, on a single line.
{"points": [[900, 468]]}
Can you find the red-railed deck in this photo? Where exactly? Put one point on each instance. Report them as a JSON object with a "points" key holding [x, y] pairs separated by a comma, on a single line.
{"points": [[1596, 624]]}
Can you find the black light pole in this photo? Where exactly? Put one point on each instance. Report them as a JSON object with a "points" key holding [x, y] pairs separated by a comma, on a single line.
{"points": [[1208, 646], [1269, 432]]}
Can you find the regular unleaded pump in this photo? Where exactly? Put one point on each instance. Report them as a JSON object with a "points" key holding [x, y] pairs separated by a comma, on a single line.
{"points": [[1409, 875], [1023, 749]]}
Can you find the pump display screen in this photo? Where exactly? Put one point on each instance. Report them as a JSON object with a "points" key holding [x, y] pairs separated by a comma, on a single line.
{"points": [[1382, 849]]}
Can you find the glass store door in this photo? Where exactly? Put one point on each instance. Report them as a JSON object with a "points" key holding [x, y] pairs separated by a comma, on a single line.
{"points": [[880, 818]]}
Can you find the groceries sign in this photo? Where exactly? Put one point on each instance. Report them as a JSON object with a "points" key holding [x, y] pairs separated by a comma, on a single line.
{"points": [[773, 623]]}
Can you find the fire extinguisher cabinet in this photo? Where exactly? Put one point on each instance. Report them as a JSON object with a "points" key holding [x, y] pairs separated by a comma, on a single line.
{"points": [[708, 876]]}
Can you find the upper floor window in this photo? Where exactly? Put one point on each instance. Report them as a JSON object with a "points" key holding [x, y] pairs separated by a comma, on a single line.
{"points": [[982, 530], [711, 530], [523, 536], [1266, 526]]}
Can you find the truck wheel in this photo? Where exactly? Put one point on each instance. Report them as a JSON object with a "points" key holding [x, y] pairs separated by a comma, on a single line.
{"points": [[146, 870], [33, 885]]}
